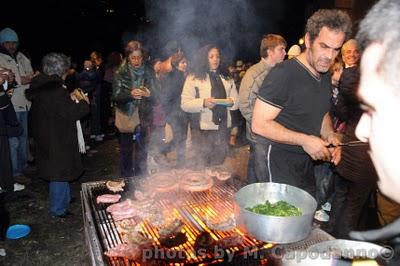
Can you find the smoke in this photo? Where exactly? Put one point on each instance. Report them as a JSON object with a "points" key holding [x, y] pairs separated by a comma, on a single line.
{"points": [[233, 25]]}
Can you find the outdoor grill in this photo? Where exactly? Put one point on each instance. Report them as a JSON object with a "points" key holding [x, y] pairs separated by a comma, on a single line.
{"points": [[193, 208]]}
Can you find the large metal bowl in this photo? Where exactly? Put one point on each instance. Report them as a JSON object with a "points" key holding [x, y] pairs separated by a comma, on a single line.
{"points": [[274, 229]]}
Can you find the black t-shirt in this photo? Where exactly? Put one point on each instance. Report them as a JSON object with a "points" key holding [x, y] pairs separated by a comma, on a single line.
{"points": [[303, 98]]}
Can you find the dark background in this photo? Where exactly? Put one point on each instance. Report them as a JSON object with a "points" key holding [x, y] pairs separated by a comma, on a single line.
{"points": [[78, 27]]}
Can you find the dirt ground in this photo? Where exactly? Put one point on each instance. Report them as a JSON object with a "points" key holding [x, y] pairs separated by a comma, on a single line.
{"points": [[55, 241]]}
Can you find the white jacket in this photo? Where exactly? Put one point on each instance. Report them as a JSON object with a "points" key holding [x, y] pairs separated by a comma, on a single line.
{"points": [[21, 67], [192, 103]]}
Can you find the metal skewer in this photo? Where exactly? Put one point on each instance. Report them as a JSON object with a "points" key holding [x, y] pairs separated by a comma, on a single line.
{"points": [[349, 144]]}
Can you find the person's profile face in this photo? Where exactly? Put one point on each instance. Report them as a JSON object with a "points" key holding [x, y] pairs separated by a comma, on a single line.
{"points": [[277, 53], [182, 65], [379, 123]]}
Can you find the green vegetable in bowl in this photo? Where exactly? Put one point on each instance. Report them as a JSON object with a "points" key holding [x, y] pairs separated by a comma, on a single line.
{"points": [[280, 208]]}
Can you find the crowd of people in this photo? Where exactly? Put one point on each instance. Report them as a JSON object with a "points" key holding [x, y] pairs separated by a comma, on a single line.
{"points": [[298, 112]]}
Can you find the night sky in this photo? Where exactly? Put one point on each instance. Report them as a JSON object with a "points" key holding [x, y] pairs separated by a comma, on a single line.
{"points": [[78, 27]]}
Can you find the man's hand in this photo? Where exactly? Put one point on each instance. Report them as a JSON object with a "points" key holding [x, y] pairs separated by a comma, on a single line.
{"points": [[78, 95], [316, 148], [209, 103], [336, 152]]}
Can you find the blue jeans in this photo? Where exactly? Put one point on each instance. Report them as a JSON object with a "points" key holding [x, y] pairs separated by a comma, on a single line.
{"points": [[59, 197], [19, 146]]}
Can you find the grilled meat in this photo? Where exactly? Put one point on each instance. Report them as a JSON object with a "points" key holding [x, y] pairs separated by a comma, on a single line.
{"points": [[171, 228], [108, 198], [221, 225], [116, 186], [196, 182], [173, 240], [230, 241], [204, 241], [130, 251]]}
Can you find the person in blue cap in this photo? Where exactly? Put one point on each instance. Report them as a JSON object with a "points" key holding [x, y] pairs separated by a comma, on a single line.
{"points": [[18, 63]]}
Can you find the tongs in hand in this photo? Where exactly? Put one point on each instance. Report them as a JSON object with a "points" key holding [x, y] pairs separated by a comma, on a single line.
{"points": [[353, 143]]}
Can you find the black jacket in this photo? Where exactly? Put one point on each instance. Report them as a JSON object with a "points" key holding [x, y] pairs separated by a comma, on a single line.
{"points": [[172, 86], [54, 117], [9, 125]]}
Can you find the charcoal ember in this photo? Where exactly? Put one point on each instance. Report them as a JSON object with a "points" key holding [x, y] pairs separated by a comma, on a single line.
{"points": [[173, 240], [204, 241]]}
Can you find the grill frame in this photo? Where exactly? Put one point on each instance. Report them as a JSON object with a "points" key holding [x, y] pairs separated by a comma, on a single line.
{"points": [[98, 225]]}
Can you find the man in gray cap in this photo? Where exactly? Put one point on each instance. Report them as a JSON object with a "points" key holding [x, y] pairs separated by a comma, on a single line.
{"points": [[18, 63]]}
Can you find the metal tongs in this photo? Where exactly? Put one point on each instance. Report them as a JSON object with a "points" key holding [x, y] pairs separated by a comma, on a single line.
{"points": [[354, 143]]}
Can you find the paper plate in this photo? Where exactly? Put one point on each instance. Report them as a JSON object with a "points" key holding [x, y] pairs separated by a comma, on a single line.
{"points": [[17, 231]]}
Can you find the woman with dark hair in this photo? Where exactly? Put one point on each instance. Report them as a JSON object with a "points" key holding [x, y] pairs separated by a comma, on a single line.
{"points": [[209, 94], [134, 93], [54, 114]]}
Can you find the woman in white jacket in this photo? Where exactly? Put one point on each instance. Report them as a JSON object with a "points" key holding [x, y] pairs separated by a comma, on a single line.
{"points": [[209, 94]]}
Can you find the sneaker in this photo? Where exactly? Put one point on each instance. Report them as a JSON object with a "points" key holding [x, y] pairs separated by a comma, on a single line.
{"points": [[327, 207], [92, 136], [87, 147], [21, 179], [98, 138], [18, 187], [321, 216]]}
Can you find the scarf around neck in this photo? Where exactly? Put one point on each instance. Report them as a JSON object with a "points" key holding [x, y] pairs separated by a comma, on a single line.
{"points": [[218, 91]]}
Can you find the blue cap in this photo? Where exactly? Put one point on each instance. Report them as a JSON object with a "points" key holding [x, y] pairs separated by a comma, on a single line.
{"points": [[8, 35]]}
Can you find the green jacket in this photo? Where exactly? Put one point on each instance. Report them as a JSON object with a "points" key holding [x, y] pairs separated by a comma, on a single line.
{"points": [[124, 81]]}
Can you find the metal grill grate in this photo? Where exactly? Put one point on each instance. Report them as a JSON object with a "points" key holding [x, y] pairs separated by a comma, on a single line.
{"points": [[192, 209]]}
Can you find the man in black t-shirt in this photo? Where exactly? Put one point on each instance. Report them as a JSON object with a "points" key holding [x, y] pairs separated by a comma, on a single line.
{"points": [[291, 113]]}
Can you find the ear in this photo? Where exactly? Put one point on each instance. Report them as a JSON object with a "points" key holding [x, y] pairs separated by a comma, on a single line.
{"points": [[268, 52], [307, 40]]}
